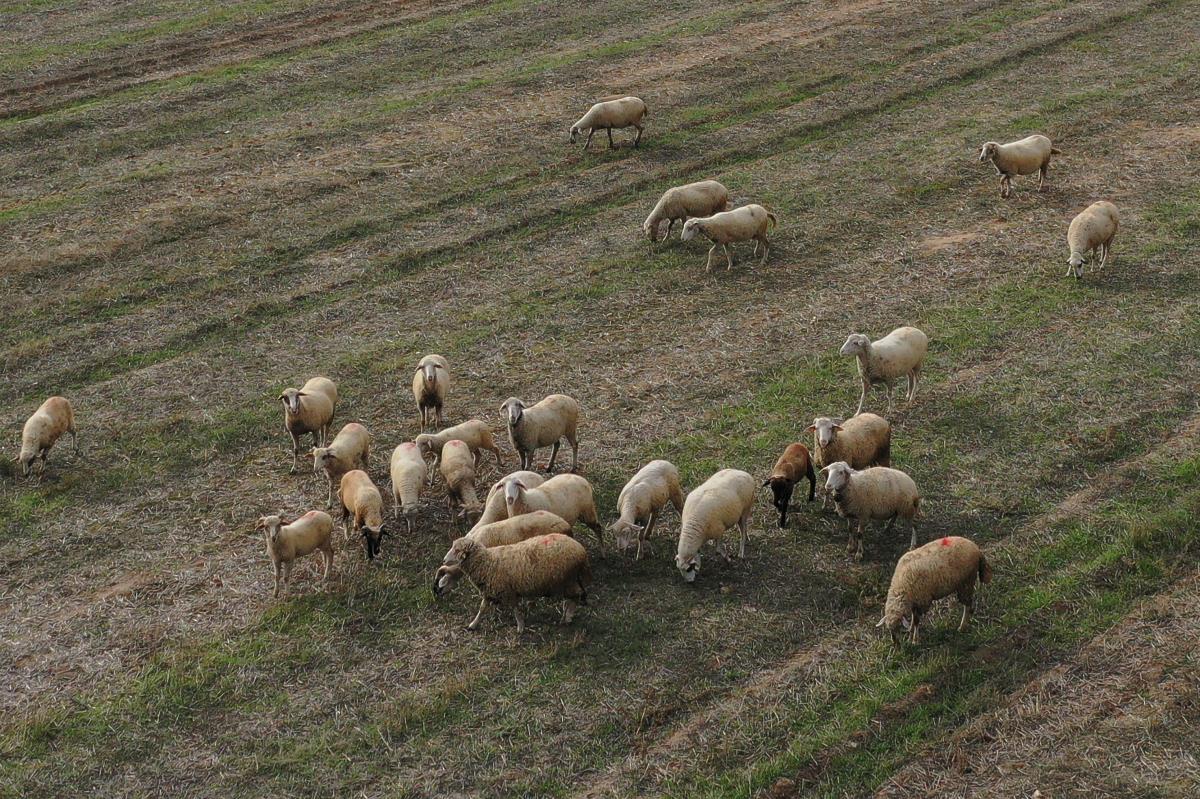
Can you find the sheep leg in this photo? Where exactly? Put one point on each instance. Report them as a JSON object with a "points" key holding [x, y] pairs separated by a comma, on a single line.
{"points": [[329, 502], [499, 458], [574, 442], [728, 257], [278, 568], [638, 139], [553, 456], [295, 452], [327, 555], [519, 615], [858, 551], [866, 386], [610, 141], [708, 263], [888, 388], [914, 378], [75, 438], [966, 617], [766, 249], [670, 227], [474, 625], [287, 577], [915, 633], [744, 527], [891, 523], [912, 544], [569, 608], [588, 143], [1042, 176]]}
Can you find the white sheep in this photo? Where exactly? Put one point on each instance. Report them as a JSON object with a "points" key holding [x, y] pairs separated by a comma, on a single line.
{"points": [[430, 384], [350, 449], [474, 432], [287, 541], [875, 493], [502, 533], [899, 353], [308, 409], [42, 430], [641, 503], [362, 510], [681, 203], [712, 508], [552, 566], [1093, 229], [407, 470], [861, 441], [566, 495], [938, 569], [458, 470], [1024, 157], [725, 228], [495, 507], [615, 112], [545, 424]]}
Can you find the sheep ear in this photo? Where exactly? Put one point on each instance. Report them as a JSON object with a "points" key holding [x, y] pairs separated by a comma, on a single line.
{"points": [[882, 622], [766, 482], [906, 622], [812, 428], [261, 524], [281, 396]]}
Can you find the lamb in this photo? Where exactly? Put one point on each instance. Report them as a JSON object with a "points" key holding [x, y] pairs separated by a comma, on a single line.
{"points": [[474, 432], [727, 227], [875, 493], [287, 541], [861, 441], [901, 352], [793, 465], [351, 448], [407, 470], [704, 198], [495, 508], [308, 409], [502, 533], [1024, 157], [567, 495], [641, 502], [938, 569], [362, 510], [430, 384], [42, 431], [725, 499], [545, 424], [458, 470], [1093, 229], [553, 566], [615, 112]]}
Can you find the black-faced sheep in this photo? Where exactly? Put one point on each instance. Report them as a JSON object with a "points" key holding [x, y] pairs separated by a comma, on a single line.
{"points": [[362, 510], [794, 465]]}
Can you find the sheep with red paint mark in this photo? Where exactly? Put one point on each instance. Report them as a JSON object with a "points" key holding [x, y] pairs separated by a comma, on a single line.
{"points": [[936, 570]]}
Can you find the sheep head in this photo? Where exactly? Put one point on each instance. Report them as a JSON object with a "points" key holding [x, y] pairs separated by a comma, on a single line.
{"points": [[445, 578], [626, 533], [574, 133], [513, 491], [856, 344], [988, 152], [430, 369], [838, 479], [270, 525], [690, 229], [689, 567], [291, 399], [321, 458], [514, 409], [373, 539], [826, 430], [897, 614], [26, 459], [462, 550]]}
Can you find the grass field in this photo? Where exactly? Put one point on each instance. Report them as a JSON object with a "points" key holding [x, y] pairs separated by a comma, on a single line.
{"points": [[205, 203]]}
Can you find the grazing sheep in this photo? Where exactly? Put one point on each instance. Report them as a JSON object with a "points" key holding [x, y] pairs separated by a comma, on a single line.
{"points": [[727, 227], [362, 510], [287, 541], [351, 448], [502, 533], [495, 507], [793, 465], [567, 495], [861, 441], [700, 199], [1024, 157], [474, 432], [458, 470], [407, 470], [553, 566], [901, 352], [938, 569], [430, 384], [544, 425], [1093, 229], [717, 504], [875, 493], [641, 503], [308, 409], [42, 430], [617, 112]]}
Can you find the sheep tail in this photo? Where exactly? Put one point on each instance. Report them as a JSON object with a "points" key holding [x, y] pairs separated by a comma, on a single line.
{"points": [[1055, 151], [774, 221], [985, 569]]}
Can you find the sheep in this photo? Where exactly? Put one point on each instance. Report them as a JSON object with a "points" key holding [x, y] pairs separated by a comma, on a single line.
{"points": [[544, 425], [861, 441], [1024, 157], [362, 510], [793, 465], [1093, 229], [495, 508], [938, 569], [740, 224], [350, 448], [474, 432], [567, 495], [704, 198], [42, 431], [287, 541], [458, 470], [407, 469], [725, 499], [502, 533], [553, 566], [641, 502], [308, 409], [901, 352], [430, 384], [875, 493], [614, 112]]}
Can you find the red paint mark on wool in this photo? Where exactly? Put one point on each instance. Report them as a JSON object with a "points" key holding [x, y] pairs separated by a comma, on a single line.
{"points": [[946, 541]]}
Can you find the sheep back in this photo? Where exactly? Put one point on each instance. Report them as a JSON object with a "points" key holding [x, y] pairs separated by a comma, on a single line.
{"points": [[713, 507], [933, 571], [1092, 227]]}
